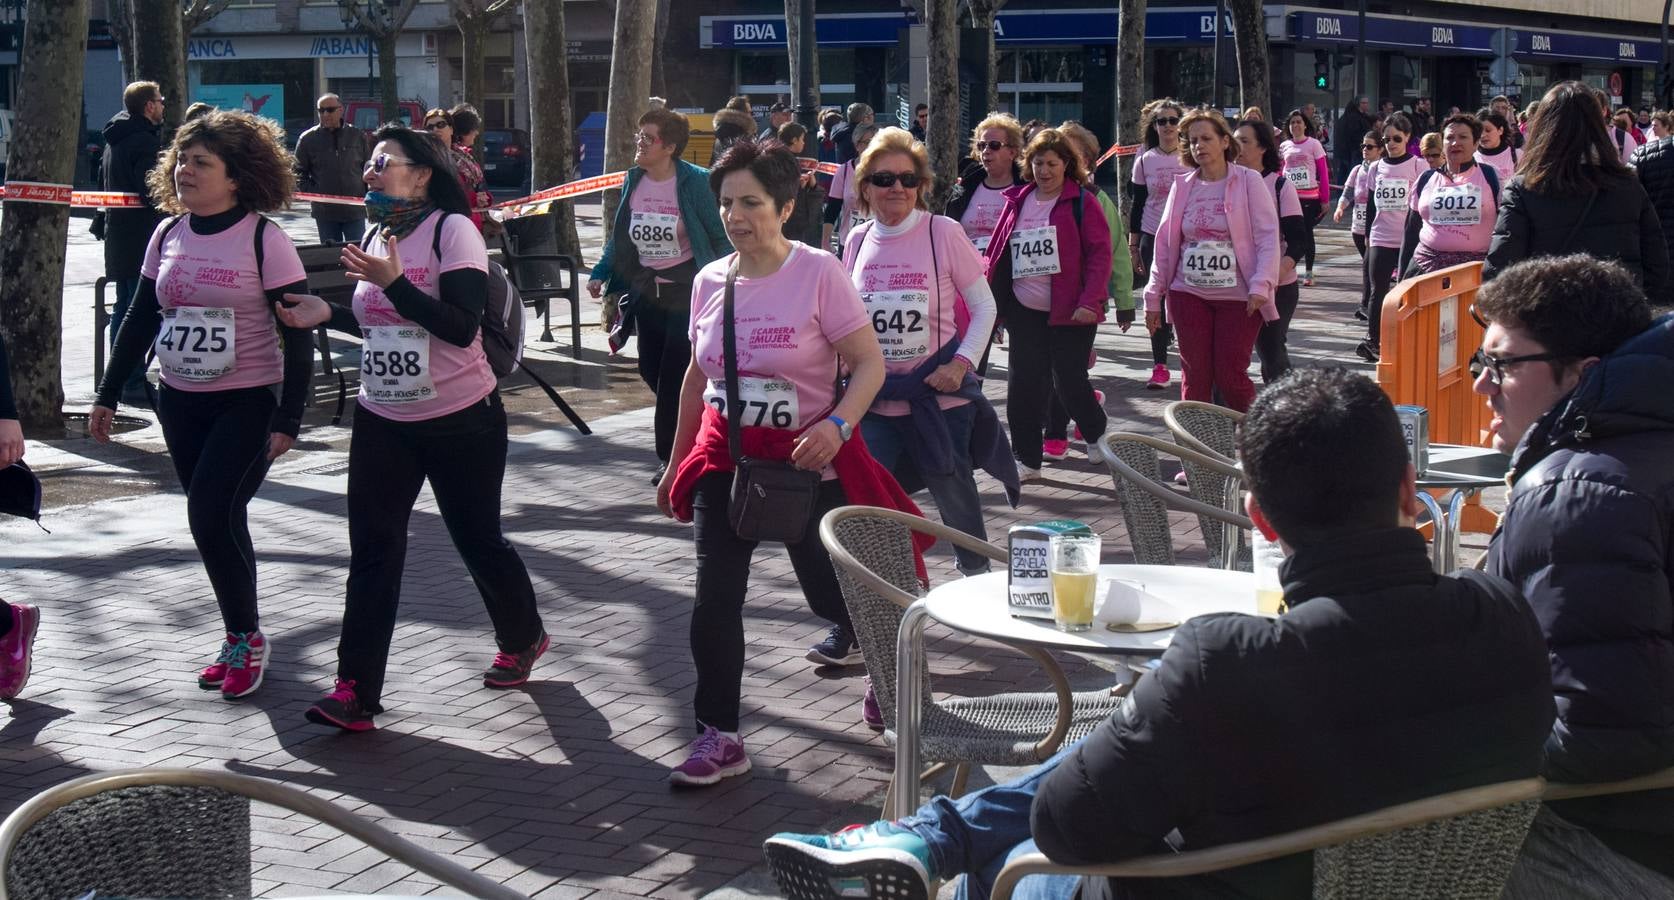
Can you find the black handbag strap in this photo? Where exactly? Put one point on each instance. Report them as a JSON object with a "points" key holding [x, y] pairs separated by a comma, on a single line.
{"points": [[729, 350]]}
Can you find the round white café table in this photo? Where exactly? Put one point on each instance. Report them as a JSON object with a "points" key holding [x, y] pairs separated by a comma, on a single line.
{"points": [[977, 605]]}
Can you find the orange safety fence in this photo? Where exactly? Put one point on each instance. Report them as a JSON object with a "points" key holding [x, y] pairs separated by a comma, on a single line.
{"points": [[1428, 336]]}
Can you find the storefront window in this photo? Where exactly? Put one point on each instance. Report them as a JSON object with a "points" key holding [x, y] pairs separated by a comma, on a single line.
{"points": [[1042, 84], [767, 75]]}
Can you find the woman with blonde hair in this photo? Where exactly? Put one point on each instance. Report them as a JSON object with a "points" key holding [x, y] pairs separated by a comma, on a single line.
{"points": [[1217, 263], [911, 269], [233, 381], [977, 199], [1049, 266]]}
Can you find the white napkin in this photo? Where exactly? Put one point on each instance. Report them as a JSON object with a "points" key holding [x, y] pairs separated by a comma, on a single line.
{"points": [[1125, 604]]}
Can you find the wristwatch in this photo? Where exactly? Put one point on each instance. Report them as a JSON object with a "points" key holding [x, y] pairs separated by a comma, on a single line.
{"points": [[844, 429]]}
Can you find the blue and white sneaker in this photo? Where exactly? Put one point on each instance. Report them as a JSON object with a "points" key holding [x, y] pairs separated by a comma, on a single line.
{"points": [[880, 861]]}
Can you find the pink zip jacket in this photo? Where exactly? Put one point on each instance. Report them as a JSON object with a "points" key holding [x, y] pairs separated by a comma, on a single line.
{"points": [[1251, 218], [1083, 277]]}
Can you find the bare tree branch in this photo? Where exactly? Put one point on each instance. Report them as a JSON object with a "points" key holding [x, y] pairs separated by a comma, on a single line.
{"points": [[198, 12]]}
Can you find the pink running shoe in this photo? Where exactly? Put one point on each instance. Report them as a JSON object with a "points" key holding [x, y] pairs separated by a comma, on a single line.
{"points": [[714, 757], [870, 712], [246, 664], [17, 649], [216, 672], [1056, 450], [1159, 378], [341, 708], [1097, 395]]}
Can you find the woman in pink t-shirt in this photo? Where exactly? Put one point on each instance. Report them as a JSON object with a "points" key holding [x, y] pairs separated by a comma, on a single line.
{"points": [[840, 211], [912, 268], [980, 194], [797, 323], [428, 411], [1392, 181], [1153, 176], [232, 386], [1306, 168], [1217, 264], [1452, 210]]}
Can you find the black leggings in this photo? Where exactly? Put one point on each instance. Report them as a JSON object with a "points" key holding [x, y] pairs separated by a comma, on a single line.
{"points": [[1164, 335], [1380, 275], [665, 351], [1270, 341], [463, 454], [1310, 217], [227, 432], [723, 578], [1043, 357]]}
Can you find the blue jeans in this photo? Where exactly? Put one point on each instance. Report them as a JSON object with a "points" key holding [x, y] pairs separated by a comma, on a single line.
{"points": [[955, 493], [346, 232], [978, 833]]}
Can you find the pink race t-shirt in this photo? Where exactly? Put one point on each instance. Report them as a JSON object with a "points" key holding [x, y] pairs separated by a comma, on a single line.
{"points": [[655, 225], [1156, 170], [1034, 291], [893, 274], [216, 273], [1206, 254], [1503, 160], [1301, 166], [1284, 194], [982, 215], [787, 324], [408, 374], [1359, 191], [843, 188], [1390, 188], [1458, 213]]}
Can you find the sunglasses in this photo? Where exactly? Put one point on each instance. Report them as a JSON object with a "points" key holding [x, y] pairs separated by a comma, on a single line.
{"points": [[1394, 140], [1166, 121], [1495, 366], [1371, 147], [909, 180], [329, 109], [435, 126], [995, 146], [377, 164]]}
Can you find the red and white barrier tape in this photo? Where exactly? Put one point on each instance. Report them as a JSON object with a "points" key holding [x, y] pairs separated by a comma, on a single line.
{"points": [[1118, 150]]}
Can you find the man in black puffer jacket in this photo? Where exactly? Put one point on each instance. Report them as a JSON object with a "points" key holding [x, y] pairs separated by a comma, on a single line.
{"points": [[1654, 163], [1383, 683], [133, 138], [1579, 379]]}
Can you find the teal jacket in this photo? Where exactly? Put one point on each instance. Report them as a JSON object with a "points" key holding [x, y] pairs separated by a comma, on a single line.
{"points": [[698, 212]]}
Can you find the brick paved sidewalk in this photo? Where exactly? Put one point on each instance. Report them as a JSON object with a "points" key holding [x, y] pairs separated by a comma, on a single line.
{"points": [[557, 788]]}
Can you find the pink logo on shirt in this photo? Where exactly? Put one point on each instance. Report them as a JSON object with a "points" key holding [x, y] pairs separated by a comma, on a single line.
{"points": [[418, 275], [176, 291], [778, 337], [217, 276]]}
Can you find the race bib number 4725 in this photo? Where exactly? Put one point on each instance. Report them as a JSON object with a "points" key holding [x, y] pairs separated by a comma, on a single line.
{"points": [[196, 343]]}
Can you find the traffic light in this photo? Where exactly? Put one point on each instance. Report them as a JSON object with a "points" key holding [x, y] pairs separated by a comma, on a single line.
{"points": [[1322, 70]]}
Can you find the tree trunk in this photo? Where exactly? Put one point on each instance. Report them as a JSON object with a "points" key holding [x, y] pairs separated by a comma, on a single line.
{"points": [[941, 133], [389, 94], [33, 235], [1130, 84], [472, 33], [551, 120], [160, 54], [982, 16], [659, 74], [1250, 38], [630, 85], [804, 97], [121, 24]]}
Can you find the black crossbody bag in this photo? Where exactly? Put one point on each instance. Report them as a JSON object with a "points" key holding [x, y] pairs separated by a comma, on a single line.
{"points": [[771, 500]]}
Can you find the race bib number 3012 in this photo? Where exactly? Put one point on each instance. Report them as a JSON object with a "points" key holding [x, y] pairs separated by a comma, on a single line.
{"points": [[196, 343], [1456, 204], [764, 402], [1034, 251], [395, 364]]}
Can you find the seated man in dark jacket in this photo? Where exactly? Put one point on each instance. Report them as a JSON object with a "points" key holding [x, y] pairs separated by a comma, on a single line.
{"points": [[1383, 683], [1579, 380]]}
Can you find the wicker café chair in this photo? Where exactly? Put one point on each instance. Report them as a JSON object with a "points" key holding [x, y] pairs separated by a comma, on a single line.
{"points": [[1460, 845], [1209, 429], [1146, 498], [871, 549], [173, 833]]}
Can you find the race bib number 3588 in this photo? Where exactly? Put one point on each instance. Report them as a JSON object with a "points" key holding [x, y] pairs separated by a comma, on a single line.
{"points": [[395, 364]]}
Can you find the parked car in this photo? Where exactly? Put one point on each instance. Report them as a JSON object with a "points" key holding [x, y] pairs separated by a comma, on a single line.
{"points": [[367, 115], [505, 155]]}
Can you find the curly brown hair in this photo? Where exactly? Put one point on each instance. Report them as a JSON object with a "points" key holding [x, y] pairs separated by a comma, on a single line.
{"points": [[251, 147]]}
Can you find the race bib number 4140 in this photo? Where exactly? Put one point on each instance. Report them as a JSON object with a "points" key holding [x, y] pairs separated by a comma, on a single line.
{"points": [[196, 343], [1210, 264]]}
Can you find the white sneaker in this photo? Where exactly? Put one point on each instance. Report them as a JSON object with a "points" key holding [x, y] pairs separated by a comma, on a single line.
{"points": [[1025, 473], [1094, 457]]}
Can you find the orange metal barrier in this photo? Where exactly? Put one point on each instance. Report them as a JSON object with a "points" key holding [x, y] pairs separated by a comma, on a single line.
{"points": [[1427, 340]]}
